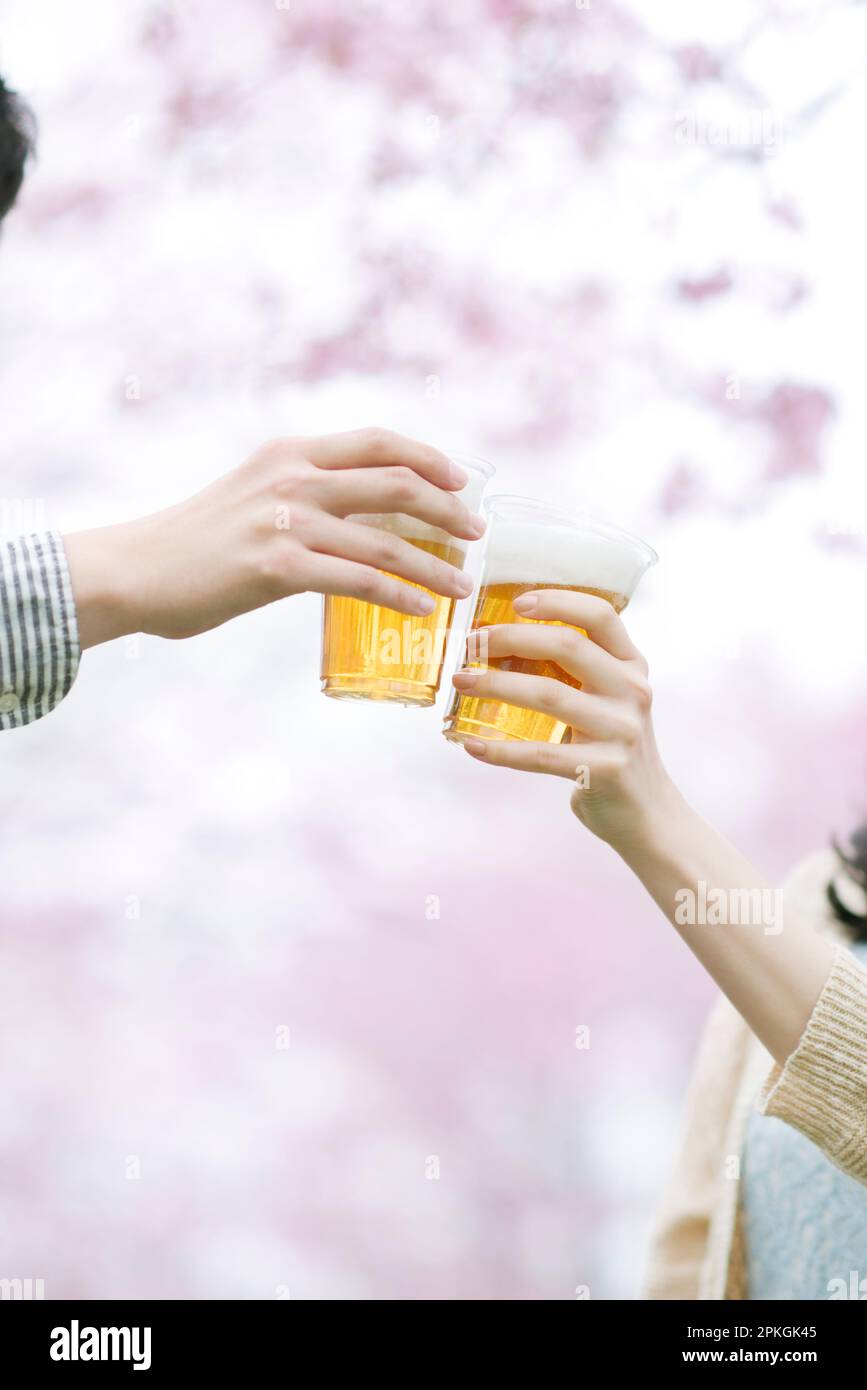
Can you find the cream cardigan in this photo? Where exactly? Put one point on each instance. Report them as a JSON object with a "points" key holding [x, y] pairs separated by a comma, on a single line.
{"points": [[697, 1250]]}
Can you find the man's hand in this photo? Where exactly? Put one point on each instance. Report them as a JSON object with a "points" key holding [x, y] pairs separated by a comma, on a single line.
{"points": [[273, 527]]}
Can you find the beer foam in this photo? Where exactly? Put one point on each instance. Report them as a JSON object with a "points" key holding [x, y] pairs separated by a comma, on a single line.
{"points": [[521, 552]]}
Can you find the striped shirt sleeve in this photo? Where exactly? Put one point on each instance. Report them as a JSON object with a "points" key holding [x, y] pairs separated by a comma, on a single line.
{"points": [[39, 650]]}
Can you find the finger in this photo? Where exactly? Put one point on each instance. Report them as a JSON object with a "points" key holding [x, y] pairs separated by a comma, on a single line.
{"points": [[595, 615], [594, 715], [556, 759], [378, 448], [328, 535], [571, 650], [397, 489], [333, 575], [581, 763]]}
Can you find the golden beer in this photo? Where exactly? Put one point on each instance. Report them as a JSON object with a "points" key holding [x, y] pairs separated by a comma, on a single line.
{"points": [[485, 718], [375, 653], [526, 538]]}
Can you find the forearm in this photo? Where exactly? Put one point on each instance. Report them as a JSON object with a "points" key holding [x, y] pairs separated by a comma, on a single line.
{"points": [[767, 959]]}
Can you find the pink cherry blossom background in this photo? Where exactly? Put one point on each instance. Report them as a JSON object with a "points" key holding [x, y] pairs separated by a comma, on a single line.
{"points": [[291, 990]]}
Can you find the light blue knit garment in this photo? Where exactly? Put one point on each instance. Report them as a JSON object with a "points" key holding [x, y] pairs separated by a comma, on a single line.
{"points": [[805, 1221]]}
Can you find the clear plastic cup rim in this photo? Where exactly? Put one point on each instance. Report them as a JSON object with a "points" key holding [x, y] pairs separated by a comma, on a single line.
{"points": [[502, 502], [472, 461]]}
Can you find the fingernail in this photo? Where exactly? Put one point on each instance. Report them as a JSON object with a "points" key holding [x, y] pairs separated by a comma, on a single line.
{"points": [[463, 680], [426, 603], [457, 475], [478, 526], [464, 585], [525, 603], [476, 747]]}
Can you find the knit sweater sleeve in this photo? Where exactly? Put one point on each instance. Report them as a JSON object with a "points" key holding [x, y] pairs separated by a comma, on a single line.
{"points": [[822, 1087]]}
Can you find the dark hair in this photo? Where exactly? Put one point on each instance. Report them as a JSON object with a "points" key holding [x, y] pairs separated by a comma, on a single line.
{"points": [[17, 144], [853, 866]]}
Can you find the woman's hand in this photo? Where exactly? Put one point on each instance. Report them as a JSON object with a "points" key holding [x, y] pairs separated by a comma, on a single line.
{"points": [[623, 794], [612, 756], [273, 527]]}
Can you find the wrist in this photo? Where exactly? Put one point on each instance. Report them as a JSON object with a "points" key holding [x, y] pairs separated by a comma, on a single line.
{"points": [[656, 827], [99, 570]]}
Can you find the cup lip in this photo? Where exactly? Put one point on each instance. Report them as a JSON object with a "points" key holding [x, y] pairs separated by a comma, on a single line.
{"points": [[574, 517], [473, 461]]}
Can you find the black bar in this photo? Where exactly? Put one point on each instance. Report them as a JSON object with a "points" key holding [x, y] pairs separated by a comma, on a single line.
{"points": [[227, 1339]]}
